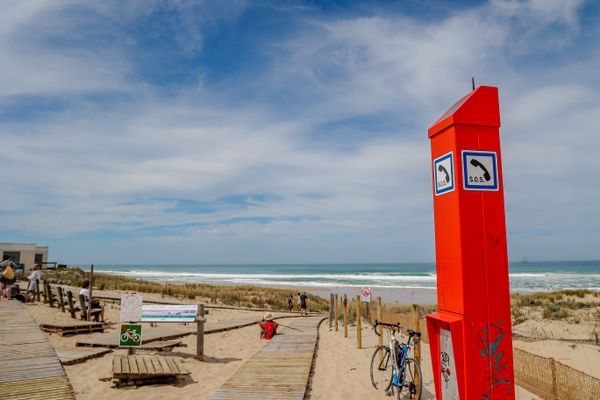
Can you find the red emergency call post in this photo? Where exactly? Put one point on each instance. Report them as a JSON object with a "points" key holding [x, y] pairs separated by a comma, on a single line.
{"points": [[470, 334]]}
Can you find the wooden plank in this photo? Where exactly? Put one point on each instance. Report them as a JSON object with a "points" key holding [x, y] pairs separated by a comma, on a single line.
{"points": [[30, 368], [280, 370]]}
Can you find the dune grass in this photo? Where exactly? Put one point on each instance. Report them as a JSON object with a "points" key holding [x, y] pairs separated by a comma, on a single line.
{"points": [[242, 296]]}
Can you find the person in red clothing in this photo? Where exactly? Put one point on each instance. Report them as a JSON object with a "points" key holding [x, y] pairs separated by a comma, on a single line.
{"points": [[268, 327]]}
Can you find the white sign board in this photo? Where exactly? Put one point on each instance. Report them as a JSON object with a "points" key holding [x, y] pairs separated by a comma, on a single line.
{"points": [[365, 294], [448, 366], [169, 313], [480, 170], [443, 174], [131, 307]]}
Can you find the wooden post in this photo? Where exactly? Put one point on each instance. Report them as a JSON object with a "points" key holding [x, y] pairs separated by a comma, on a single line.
{"points": [[200, 334], [345, 312], [335, 311], [89, 313], [37, 290], [379, 318], [416, 326], [330, 309], [358, 327], [554, 385]]}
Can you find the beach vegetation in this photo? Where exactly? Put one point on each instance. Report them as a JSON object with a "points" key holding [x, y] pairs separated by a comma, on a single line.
{"points": [[242, 295]]}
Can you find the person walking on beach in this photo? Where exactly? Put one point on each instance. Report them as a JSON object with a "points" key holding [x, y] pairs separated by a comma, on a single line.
{"points": [[85, 291], [303, 299], [290, 303], [298, 302], [268, 327]]}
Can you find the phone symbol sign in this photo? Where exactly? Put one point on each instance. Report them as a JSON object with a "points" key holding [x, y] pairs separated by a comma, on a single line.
{"points": [[443, 174], [480, 170]]}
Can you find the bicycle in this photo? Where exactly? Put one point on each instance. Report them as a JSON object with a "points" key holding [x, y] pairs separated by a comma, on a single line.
{"points": [[391, 368]]}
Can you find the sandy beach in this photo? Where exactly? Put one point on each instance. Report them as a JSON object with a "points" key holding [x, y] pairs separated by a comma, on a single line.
{"points": [[340, 370]]}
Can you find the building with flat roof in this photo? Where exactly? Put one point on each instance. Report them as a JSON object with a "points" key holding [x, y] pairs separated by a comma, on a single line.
{"points": [[24, 253]]}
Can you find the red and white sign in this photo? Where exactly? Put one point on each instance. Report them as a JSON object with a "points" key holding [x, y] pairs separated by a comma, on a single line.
{"points": [[365, 294]]}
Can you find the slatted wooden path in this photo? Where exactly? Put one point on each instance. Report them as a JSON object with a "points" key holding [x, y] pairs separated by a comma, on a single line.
{"points": [[76, 356], [149, 334], [152, 334], [145, 368], [280, 370], [29, 368], [72, 327]]}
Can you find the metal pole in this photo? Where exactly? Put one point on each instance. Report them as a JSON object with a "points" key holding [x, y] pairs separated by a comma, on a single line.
{"points": [[200, 334]]}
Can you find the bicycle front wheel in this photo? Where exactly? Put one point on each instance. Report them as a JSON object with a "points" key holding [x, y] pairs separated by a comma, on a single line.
{"points": [[381, 368], [412, 381]]}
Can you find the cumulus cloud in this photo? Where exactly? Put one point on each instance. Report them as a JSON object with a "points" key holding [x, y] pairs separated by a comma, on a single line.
{"points": [[322, 156]]}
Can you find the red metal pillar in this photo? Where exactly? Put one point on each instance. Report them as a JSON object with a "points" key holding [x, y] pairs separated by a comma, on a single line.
{"points": [[470, 334]]}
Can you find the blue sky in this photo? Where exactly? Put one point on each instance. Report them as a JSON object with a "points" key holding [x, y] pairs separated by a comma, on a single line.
{"points": [[287, 131]]}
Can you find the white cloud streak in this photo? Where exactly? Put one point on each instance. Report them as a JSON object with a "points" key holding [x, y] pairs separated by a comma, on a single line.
{"points": [[119, 167]]}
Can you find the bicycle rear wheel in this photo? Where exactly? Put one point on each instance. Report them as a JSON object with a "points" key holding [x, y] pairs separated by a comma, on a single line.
{"points": [[412, 381], [381, 368]]}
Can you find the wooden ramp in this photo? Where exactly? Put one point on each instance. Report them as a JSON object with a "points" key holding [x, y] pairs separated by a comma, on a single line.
{"points": [[30, 368], [146, 369], [153, 334], [76, 356], [280, 370], [72, 327], [149, 334]]}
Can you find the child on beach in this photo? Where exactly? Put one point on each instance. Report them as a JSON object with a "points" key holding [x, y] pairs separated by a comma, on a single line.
{"points": [[268, 327]]}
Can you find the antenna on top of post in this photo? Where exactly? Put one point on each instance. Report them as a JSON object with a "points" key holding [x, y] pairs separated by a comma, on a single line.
{"points": [[473, 82]]}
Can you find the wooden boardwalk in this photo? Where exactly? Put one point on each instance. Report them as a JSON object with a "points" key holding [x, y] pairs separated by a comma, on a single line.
{"points": [[280, 370], [152, 334], [76, 356], [30, 368], [72, 327]]}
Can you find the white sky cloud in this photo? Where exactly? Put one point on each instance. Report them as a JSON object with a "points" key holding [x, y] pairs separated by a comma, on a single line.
{"points": [[118, 164]]}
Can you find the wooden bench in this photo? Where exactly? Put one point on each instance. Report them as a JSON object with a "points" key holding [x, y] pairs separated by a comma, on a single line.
{"points": [[49, 296], [61, 299], [71, 303], [143, 369], [95, 311]]}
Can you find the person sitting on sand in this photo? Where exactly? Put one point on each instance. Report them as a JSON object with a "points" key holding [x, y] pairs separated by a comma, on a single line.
{"points": [[85, 291], [268, 327]]}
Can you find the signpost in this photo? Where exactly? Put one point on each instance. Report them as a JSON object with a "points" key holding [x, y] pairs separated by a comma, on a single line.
{"points": [[131, 307], [169, 313], [470, 334], [365, 294], [130, 335]]}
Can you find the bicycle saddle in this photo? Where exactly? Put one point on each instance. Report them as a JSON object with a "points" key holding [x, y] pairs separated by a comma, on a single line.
{"points": [[413, 333]]}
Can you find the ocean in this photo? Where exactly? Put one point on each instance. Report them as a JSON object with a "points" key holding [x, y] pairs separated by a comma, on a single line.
{"points": [[524, 276]]}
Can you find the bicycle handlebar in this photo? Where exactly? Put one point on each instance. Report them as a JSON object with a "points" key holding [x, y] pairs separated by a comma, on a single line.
{"points": [[395, 326]]}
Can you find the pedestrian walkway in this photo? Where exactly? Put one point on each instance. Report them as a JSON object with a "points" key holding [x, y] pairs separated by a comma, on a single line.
{"points": [[30, 368], [280, 370]]}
